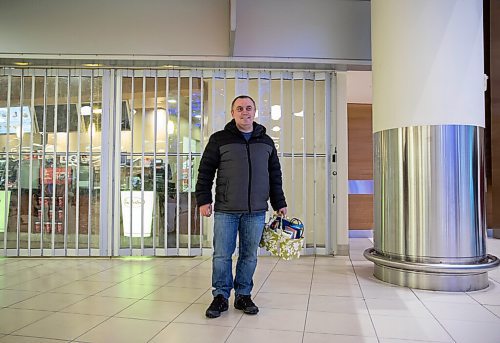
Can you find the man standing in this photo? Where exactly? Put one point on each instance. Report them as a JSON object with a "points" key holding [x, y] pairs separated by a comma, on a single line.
{"points": [[248, 175]]}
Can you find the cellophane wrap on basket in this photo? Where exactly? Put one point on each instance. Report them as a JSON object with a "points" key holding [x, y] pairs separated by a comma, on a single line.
{"points": [[278, 242]]}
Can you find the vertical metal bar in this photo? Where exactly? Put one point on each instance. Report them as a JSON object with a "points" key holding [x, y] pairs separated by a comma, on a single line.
{"points": [[167, 162], [132, 91], [179, 181], [304, 156], [54, 165], [330, 116], [142, 158], [20, 156], [107, 161], [78, 163], [66, 182], [202, 141], [91, 162], [44, 143], [155, 134], [315, 191], [30, 201], [190, 113], [117, 166], [292, 209], [6, 187], [282, 120]]}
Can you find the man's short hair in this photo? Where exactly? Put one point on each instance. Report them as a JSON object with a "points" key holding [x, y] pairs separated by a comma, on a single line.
{"points": [[243, 97]]}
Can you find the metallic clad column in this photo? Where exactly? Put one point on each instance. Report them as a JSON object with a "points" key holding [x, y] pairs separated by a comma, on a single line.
{"points": [[429, 208], [428, 123]]}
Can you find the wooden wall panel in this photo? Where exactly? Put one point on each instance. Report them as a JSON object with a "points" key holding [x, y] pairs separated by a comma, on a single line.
{"points": [[360, 211], [494, 188], [360, 140], [359, 129]]}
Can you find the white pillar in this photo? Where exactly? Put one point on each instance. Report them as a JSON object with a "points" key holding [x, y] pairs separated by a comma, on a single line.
{"points": [[428, 123]]}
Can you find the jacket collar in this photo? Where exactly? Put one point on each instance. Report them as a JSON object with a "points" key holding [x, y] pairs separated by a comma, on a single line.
{"points": [[258, 130]]}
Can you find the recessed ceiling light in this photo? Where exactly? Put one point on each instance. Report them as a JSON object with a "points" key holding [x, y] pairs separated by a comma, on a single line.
{"points": [[276, 129], [22, 64], [172, 101]]}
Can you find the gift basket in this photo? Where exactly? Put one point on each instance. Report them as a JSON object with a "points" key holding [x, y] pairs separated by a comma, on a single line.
{"points": [[283, 237]]}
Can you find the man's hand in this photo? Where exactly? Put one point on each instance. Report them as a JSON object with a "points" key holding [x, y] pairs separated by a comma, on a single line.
{"points": [[282, 211], [206, 210]]}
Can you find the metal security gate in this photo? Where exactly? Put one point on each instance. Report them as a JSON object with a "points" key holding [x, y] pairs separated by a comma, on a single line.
{"points": [[104, 162], [164, 121], [50, 133]]}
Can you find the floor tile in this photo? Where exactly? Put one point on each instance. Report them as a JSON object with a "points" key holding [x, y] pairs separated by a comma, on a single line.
{"points": [[494, 309], [322, 303], [274, 319], [469, 312], [103, 306], [415, 328], [387, 291], [448, 297], [466, 332], [9, 297], [192, 333], [12, 319], [282, 301], [286, 286], [339, 323], [397, 307], [124, 290], [66, 326], [310, 337], [337, 289], [123, 330], [177, 294], [154, 310], [49, 301], [245, 335], [83, 287], [196, 314], [24, 339]]}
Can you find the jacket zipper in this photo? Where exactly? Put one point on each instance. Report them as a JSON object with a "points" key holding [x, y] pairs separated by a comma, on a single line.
{"points": [[249, 177]]}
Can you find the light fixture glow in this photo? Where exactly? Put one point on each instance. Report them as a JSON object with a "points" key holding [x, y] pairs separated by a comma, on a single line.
{"points": [[172, 101], [276, 129], [92, 65], [275, 112], [170, 127], [85, 110], [22, 64], [299, 114]]}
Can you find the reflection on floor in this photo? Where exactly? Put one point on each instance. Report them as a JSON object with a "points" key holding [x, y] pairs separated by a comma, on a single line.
{"points": [[314, 299]]}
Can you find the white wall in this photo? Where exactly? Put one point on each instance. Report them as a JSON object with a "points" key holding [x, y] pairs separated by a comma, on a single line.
{"points": [[109, 27], [316, 29], [336, 29], [359, 87]]}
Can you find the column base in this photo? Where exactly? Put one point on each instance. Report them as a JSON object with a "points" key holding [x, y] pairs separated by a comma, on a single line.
{"points": [[432, 281], [433, 276]]}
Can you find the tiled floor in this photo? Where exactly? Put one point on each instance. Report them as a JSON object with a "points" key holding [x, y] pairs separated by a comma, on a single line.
{"points": [[311, 300]]}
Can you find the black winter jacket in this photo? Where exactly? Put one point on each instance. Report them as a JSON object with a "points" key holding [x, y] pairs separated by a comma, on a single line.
{"points": [[248, 173]]}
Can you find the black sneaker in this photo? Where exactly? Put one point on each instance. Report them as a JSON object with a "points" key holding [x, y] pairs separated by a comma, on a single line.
{"points": [[218, 305], [245, 303]]}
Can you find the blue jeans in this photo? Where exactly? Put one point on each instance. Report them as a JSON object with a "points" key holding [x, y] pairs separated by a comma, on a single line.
{"points": [[249, 226]]}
